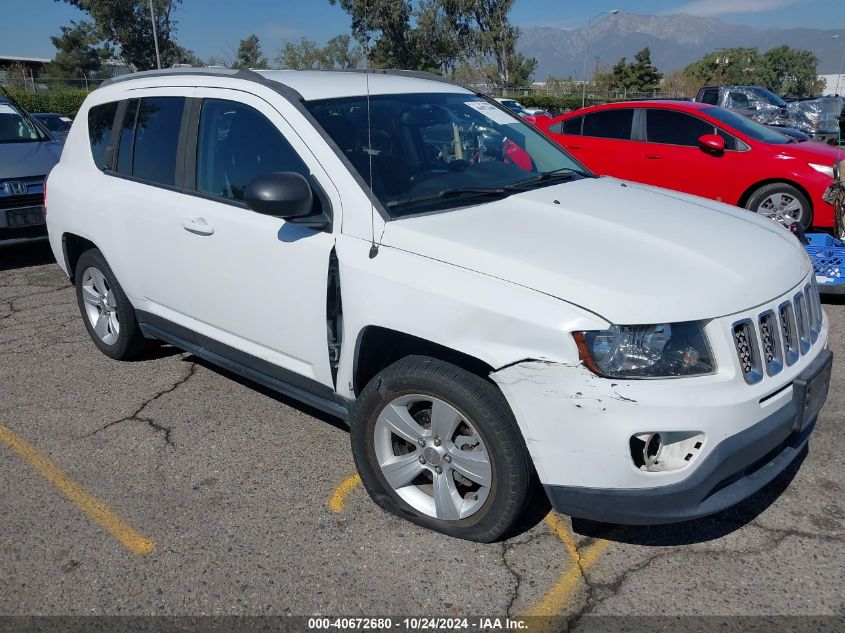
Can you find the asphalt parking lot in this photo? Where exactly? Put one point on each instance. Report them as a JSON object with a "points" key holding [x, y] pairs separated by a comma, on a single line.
{"points": [[167, 486]]}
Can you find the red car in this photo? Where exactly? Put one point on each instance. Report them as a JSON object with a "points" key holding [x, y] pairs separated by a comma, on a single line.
{"points": [[703, 150]]}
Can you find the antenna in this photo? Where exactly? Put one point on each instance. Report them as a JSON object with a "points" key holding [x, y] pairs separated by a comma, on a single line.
{"points": [[373, 245]]}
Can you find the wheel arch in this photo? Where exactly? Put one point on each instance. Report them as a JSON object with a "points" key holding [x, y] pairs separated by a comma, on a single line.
{"points": [[750, 191], [377, 347], [73, 246]]}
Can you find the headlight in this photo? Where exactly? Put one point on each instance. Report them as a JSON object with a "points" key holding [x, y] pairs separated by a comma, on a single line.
{"points": [[827, 170], [647, 351]]}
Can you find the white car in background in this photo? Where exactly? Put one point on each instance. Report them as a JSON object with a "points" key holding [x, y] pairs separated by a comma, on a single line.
{"points": [[515, 106], [481, 314]]}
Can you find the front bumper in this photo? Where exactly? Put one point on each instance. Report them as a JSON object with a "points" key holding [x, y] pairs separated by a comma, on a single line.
{"points": [[733, 471]]}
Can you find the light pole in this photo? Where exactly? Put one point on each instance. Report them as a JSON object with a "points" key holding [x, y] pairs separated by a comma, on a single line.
{"points": [[587, 51], [155, 35], [841, 65]]}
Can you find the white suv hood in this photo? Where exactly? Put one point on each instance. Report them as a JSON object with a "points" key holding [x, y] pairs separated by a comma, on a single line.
{"points": [[630, 253]]}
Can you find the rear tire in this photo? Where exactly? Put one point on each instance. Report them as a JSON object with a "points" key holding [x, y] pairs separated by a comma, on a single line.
{"points": [[448, 441], [782, 203], [106, 311]]}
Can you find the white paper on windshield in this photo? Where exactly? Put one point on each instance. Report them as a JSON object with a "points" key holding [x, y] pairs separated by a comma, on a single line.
{"points": [[5, 108], [491, 112]]}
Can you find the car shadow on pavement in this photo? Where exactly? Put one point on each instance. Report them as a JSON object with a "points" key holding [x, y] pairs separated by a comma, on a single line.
{"points": [[270, 393], [698, 530], [24, 255]]}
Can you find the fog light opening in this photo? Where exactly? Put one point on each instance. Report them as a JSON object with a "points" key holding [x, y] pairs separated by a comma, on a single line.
{"points": [[665, 450], [651, 452]]}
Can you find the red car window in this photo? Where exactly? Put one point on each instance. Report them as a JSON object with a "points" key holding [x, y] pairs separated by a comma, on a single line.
{"points": [[614, 124], [675, 128]]}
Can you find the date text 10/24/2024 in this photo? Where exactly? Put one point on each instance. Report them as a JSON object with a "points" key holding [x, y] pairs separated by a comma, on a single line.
{"points": [[417, 624]]}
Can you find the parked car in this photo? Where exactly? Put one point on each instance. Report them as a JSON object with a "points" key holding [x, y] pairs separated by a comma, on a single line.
{"points": [[27, 154], [834, 104], [819, 118], [706, 151], [515, 106], [791, 132], [58, 124], [648, 356]]}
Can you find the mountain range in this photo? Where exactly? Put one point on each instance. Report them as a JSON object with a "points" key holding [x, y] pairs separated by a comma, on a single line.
{"points": [[674, 40]]}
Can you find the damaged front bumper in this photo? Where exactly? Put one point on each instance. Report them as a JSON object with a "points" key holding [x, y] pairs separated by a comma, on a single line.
{"points": [[578, 426]]}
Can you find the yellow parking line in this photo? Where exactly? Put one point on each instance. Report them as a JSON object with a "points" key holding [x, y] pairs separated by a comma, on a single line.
{"points": [[554, 601], [78, 496], [340, 493], [558, 596]]}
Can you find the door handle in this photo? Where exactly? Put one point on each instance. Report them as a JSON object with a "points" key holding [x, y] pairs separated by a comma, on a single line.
{"points": [[653, 156], [575, 146], [197, 225]]}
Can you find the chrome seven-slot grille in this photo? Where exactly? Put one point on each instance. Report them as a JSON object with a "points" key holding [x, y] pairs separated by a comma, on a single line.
{"points": [[779, 337]]}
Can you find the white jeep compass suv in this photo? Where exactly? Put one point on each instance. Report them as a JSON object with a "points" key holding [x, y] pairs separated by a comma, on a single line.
{"points": [[411, 257]]}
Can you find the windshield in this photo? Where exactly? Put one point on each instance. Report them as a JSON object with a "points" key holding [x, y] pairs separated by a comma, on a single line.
{"points": [[54, 123], [768, 97], [16, 128], [437, 151], [747, 126]]}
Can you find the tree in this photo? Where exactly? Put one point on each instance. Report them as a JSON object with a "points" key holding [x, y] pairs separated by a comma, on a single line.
{"points": [[80, 52], [639, 76], [644, 74], [782, 70], [17, 76], [338, 54], [401, 34], [126, 24], [304, 55], [791, 72], [726, 66], [482, 37], [341, 53], [187, 56], [249, 54]]}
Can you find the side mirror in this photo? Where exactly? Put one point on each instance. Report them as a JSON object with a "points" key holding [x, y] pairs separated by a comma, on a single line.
{"points": [[283, 194], [712, 142]]}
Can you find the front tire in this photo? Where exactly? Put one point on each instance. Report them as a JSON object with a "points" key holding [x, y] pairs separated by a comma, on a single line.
{"points": [[782, 203], [439, 446], [106, 311]]}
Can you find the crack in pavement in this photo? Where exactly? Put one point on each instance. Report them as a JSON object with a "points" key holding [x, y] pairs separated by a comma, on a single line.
{"points": [[137, 417], [611, 589], [517, 577], [507, 547]]}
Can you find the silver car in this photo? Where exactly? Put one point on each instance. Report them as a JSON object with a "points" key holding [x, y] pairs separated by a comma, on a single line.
{"points": [[27, 154]]}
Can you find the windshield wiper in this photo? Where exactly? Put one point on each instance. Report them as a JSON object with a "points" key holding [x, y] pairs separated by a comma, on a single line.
{"points": [[456, 192], [564, 173]]}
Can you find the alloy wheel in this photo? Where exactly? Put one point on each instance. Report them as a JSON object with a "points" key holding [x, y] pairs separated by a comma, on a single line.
{"points": [[100, 305], [782, 208], [432, 456]]}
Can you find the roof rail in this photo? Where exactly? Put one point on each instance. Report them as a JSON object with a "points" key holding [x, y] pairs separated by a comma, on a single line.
{"points": [[235, 73], [417, 74]]}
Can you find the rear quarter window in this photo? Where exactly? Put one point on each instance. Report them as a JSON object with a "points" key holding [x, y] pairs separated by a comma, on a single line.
{"points": [[100, 124], [568, 126]]}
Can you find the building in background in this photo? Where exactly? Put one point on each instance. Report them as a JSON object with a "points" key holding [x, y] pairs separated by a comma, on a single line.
{"points": [[830, 84]]}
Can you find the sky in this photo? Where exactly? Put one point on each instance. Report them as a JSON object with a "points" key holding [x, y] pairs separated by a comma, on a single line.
{"points": [[213, 28]]}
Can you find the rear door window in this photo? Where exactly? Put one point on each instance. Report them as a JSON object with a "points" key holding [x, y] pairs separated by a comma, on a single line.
{"points": [[100, 124], [614, 124]]}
